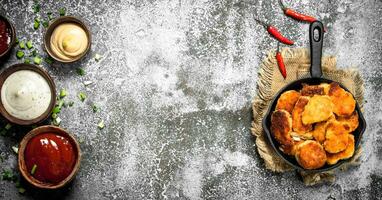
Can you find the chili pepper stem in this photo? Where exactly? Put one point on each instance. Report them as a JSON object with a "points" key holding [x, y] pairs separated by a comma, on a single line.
{"points": [[261, 22], [282, 5]]}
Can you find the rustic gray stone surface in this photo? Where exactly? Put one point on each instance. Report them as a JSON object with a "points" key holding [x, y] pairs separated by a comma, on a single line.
{"points": [[175, 85]]}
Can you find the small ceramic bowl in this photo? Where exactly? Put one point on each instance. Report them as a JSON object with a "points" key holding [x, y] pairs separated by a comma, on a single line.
{"points": [[53, 25], [13, 37], [10, 70], [21, 159]]}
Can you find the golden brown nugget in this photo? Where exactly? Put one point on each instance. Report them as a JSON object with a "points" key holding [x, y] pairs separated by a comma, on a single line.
{"points": [[291, 150], [297, 124], [281, 125], [345, 154], [311, 90], [336, 137], [318, 109], [343, 101], [287, 100], [310, 154], [326, 87], [319, 130], [350, 122]]}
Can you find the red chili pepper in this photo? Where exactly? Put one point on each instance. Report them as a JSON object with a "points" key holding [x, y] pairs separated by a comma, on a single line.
{"points": [[275, 33], [295, 15], [280, 62]]}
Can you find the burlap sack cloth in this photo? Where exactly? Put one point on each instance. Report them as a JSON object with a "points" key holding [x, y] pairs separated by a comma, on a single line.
{"points": [[270, 81]]}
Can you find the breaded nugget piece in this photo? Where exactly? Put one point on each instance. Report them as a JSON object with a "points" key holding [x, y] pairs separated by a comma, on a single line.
{"points": [[345, 154], [326, 87], [319, 130], [311, 90], [287, 100], [281, 125], [350, 122], [336, 137], [343, 101], [291, 150], [318, 109], [310, 155], [297, 124]]}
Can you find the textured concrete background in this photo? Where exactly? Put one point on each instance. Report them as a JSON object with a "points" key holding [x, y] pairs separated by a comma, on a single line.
{"points": [[175, 85]]}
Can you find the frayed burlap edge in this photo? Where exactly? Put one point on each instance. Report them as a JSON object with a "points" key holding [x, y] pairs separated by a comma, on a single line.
{"points": [[267, 73]]}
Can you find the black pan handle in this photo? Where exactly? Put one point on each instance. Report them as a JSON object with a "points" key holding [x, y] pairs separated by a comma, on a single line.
{"points": [[316, 38]]}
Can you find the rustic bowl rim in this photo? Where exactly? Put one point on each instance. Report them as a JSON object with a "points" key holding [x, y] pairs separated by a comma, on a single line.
{"points": [[21, 161], [54, 24], [23, 66], [13, 36]]}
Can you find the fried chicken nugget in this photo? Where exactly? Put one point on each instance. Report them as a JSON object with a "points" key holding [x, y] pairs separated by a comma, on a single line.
{"points": [[319, 130], [336, 137], [297, 124], [287, 100], [326, 87], [310, 154], [350, 122], [281, 125], [345, 154], [343, 101], [311, 90], [318, 109]]}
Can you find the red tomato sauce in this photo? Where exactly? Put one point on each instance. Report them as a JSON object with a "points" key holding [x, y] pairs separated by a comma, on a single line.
{"points": [[5, 37], [53, 156]]}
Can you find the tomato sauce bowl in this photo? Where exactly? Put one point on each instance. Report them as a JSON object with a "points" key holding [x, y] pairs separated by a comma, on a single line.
{"points": [[49, 157]]}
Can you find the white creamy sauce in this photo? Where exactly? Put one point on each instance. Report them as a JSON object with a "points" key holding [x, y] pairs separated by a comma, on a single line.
{"points": [[26, 95]]}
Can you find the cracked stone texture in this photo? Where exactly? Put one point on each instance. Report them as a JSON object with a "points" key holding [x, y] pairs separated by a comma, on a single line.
{"points": [[175, 85]]}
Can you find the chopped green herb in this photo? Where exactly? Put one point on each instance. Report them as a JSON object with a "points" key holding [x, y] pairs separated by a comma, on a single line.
{"points": [[8, 126], [56, 110], [36, 23], [45, 24], [48, 60], [8, 175], [62, 11], [34, 168], [27, 61], [37, 60], [61, 103], [63, 93], [57, 121], [21, 190], [3, 132], [15, 149], [17, 184], [71, 104], [95, 108], [97, 57], [101, 124], [19, 54], [22, 45], [54, 115], [17, 40], [33, 53], [36, 7], [29, 44], [50, 17], [82, 96], [80, 71]]}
